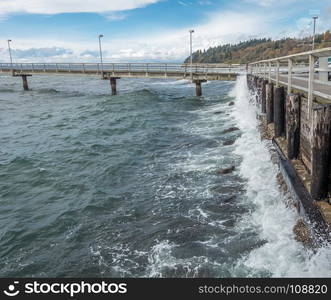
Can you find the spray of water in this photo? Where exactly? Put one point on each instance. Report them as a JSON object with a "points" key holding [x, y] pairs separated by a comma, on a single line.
{"points": [[281, 255]]}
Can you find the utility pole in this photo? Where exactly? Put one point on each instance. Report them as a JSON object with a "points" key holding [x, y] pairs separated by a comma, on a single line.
{"points": [[100, 36], [191, 58], [315, 17]]}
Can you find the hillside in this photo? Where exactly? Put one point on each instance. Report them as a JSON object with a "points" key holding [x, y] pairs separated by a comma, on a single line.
{"points": [[258, 49]]}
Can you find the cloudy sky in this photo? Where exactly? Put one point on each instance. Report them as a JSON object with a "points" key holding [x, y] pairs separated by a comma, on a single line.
{"points": [[146, 30]]}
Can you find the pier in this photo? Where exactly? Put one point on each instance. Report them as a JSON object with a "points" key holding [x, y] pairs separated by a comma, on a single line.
{"points": [[197, 73], [293, 94]]}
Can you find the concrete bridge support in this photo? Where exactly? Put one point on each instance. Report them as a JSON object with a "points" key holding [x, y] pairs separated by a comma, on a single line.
{"points": [[24, 79], [113, 85], [198, 88]]}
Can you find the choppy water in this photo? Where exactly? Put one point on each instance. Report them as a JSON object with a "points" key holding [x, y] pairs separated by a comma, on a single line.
{"points": [[128, 185]]}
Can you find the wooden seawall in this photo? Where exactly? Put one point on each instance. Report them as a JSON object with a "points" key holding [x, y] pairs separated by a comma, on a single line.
{"points": [[297, 118]]}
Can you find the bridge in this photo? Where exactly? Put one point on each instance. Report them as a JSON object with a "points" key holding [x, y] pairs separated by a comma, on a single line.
{"points": [[197, 73]]}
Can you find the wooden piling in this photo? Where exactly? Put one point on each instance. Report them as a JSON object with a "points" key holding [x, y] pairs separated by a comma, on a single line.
{"points": [[279, 112], [293, 125], [263, 96], [270, 102], [321, 117]]}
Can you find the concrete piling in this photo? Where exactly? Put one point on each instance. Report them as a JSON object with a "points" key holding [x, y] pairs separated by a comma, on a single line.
{"points": [[25, 83], [113, 85], [198, 88]]}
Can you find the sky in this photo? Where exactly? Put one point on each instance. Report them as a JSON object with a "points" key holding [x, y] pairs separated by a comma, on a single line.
{"points": [[146, 30]]}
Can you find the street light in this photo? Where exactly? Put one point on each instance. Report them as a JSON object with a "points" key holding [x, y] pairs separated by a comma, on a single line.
{"points": [[314, 32], [191, 59], [100, 36], [11, 59]]}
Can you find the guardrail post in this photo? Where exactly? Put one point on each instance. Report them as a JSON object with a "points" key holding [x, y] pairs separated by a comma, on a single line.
{"points": [[84, 68], [129, 68], [69, 68], [269, 77], [44, 68], [289, 80], [21, 68], [311, 84], [277, 73], [113, 66]]}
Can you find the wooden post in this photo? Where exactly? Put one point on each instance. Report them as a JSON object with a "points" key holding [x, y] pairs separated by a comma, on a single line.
{"points": [[293, 125], [320, 152], [279, 114], [264, 96], [270, 102], [25, 83], [198, 88]]}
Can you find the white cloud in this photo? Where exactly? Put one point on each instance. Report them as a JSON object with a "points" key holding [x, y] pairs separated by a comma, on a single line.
{"points": [[224, 27], [267, 3], [115, 16], [69, 6]]}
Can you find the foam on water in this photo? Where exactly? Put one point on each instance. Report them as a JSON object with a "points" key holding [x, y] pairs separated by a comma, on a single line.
{"points": [[280, 255]]}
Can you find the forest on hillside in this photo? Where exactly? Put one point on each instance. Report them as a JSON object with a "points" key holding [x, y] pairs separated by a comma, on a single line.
{"points": [[259, 49]]}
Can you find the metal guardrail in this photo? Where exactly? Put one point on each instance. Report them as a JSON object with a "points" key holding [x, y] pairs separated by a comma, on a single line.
{"points": [[307, 71], [115, 68]]}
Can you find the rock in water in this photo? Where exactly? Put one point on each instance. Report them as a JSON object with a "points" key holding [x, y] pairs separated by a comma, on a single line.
{"points": [[231, 103], [302, 234], [231, 129], [226, 170], [228, 143]]}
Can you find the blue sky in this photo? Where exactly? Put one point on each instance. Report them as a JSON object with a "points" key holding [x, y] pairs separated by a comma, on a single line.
{"points": [[66, 30]]}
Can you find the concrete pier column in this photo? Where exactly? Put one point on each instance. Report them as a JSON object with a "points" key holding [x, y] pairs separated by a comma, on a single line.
{"points": [[113, 85], [198, 88], [25, 83], [279, 111]]}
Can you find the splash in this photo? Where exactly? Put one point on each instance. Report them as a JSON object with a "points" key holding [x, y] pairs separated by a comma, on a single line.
{"points": [[280, 255]]}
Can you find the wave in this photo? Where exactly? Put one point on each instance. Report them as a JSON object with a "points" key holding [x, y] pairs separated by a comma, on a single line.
{"points": [[281, 255]]}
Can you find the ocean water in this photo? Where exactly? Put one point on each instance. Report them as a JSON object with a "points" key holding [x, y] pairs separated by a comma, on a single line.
{"points": [[129, 185]]}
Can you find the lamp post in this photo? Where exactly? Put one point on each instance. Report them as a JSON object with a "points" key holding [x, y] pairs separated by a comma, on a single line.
{"points": [[100, 36], [11, 59], [191, 58], [315, 17]]}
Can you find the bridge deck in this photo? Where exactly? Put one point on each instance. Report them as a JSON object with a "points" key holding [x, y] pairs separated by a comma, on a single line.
{"points": [[176, 71]]}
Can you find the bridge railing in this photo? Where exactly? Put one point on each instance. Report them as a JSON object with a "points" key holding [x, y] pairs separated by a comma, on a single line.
{"points": [[308, 71], [134, 68]]}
